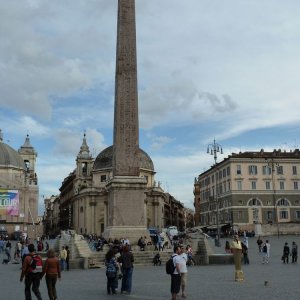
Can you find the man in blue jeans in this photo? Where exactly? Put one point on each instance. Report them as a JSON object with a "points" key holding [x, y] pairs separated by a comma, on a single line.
{"points": [[126, 260], [32, 278], [175, 277]]}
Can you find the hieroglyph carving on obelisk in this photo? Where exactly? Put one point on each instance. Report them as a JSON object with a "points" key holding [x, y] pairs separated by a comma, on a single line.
{"points": [[126, 123]]}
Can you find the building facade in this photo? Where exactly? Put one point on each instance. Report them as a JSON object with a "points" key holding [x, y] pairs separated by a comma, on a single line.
{"points": [[83, 197], [19, 192], [254, 191]]}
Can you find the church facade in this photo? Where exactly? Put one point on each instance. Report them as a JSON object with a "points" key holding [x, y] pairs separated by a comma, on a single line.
{"points": [[83, 196], [19, 191]]}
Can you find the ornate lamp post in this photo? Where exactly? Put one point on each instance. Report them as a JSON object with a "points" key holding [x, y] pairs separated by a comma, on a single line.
{"points": [[214, 149], [273, 165]]}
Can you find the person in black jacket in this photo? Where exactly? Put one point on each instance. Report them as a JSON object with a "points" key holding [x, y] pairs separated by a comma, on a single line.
{"points": [[286, 253], [127, 260]]}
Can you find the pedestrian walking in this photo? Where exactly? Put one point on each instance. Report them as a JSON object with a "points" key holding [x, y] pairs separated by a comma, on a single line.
{"points": [[183, 272], [67, 258], [7, 250], [264, 252], [127, 260], [294, 252], [245, 253], [63, 256], [52, 270], [32, 270], [1, 245], [259, 244], [111, 271], [286, 253], [175, 277], [227, 247]]}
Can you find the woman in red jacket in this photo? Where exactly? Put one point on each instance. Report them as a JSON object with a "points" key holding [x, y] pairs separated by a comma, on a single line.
{"points": [[52, 270]]}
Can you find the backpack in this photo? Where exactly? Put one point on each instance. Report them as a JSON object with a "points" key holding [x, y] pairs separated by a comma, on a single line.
{"points": [[265, 249], [170, 268], [111, 270], [36, 265]]}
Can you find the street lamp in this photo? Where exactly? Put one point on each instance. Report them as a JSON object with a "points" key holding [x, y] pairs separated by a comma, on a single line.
{"points": [[213, 149], [273, 165]]}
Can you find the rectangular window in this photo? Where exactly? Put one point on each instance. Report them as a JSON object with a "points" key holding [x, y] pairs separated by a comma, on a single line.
{"points": [[146, 177], [297, 214], [281, 185], [294, 170], [267, 170], [229, 186], [224, 173], [212, 178], [238, 170], [268, 185], [103, 178], [269, 215], [279, 170], [220, 174], [252, 170], [253, 185], [228, 171], [239, 185], [240, 215], [284, 214], [295, 185]]}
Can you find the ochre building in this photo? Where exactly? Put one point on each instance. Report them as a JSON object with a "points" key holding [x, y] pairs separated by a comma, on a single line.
{"points": [[254, 191]]}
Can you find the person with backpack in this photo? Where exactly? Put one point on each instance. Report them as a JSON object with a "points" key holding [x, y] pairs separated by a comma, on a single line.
{"points": [[175, 275], [32, 270], [52, 270], [111, 271]]}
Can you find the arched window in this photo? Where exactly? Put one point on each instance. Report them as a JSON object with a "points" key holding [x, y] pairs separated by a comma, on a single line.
{"points": [[254, 202], [81, 209], [283, 202]]}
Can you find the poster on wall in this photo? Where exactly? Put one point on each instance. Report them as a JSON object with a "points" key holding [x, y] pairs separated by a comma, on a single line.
{"points": [[9, 202]]}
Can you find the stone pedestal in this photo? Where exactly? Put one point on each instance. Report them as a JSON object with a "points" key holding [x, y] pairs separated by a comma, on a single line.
{"points": [[126, 208]]}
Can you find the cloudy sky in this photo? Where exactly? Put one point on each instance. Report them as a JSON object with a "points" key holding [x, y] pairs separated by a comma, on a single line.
{"points": [[219, 69]]}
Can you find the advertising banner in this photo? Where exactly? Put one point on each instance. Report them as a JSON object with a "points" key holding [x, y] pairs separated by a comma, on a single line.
{"points": [[9, 202]]}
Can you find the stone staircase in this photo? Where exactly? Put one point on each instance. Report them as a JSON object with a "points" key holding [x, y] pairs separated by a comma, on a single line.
{"points": [[96, 260], [82, 257]]}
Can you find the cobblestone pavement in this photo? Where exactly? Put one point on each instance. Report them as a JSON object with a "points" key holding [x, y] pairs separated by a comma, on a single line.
{"points": [[204, 282]]}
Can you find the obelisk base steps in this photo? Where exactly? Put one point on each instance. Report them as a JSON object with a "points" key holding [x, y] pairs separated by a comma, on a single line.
{"points": [[126, 207]]}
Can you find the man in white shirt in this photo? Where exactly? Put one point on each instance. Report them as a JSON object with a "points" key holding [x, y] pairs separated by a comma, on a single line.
{"points": [[175, 277], [183, 271]]}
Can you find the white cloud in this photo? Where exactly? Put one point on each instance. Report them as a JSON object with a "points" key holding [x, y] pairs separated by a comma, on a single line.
{"points": [[214, 68]]}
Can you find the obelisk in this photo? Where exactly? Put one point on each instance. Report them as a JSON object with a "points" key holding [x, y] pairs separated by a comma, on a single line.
{"points": [[126, 206]]}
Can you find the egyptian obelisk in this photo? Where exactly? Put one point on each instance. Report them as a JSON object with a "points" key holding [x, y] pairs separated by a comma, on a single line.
{"points": [[126, 207]]}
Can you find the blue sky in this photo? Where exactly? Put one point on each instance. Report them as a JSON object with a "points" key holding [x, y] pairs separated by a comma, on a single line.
{"points": [[206, 69]]}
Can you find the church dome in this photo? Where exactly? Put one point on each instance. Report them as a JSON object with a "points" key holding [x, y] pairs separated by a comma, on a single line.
{"points": [[104, 160], [10, 157]]}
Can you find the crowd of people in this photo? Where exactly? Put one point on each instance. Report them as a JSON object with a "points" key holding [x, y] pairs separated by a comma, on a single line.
{"points": [[119, 261], [264, 249]]}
